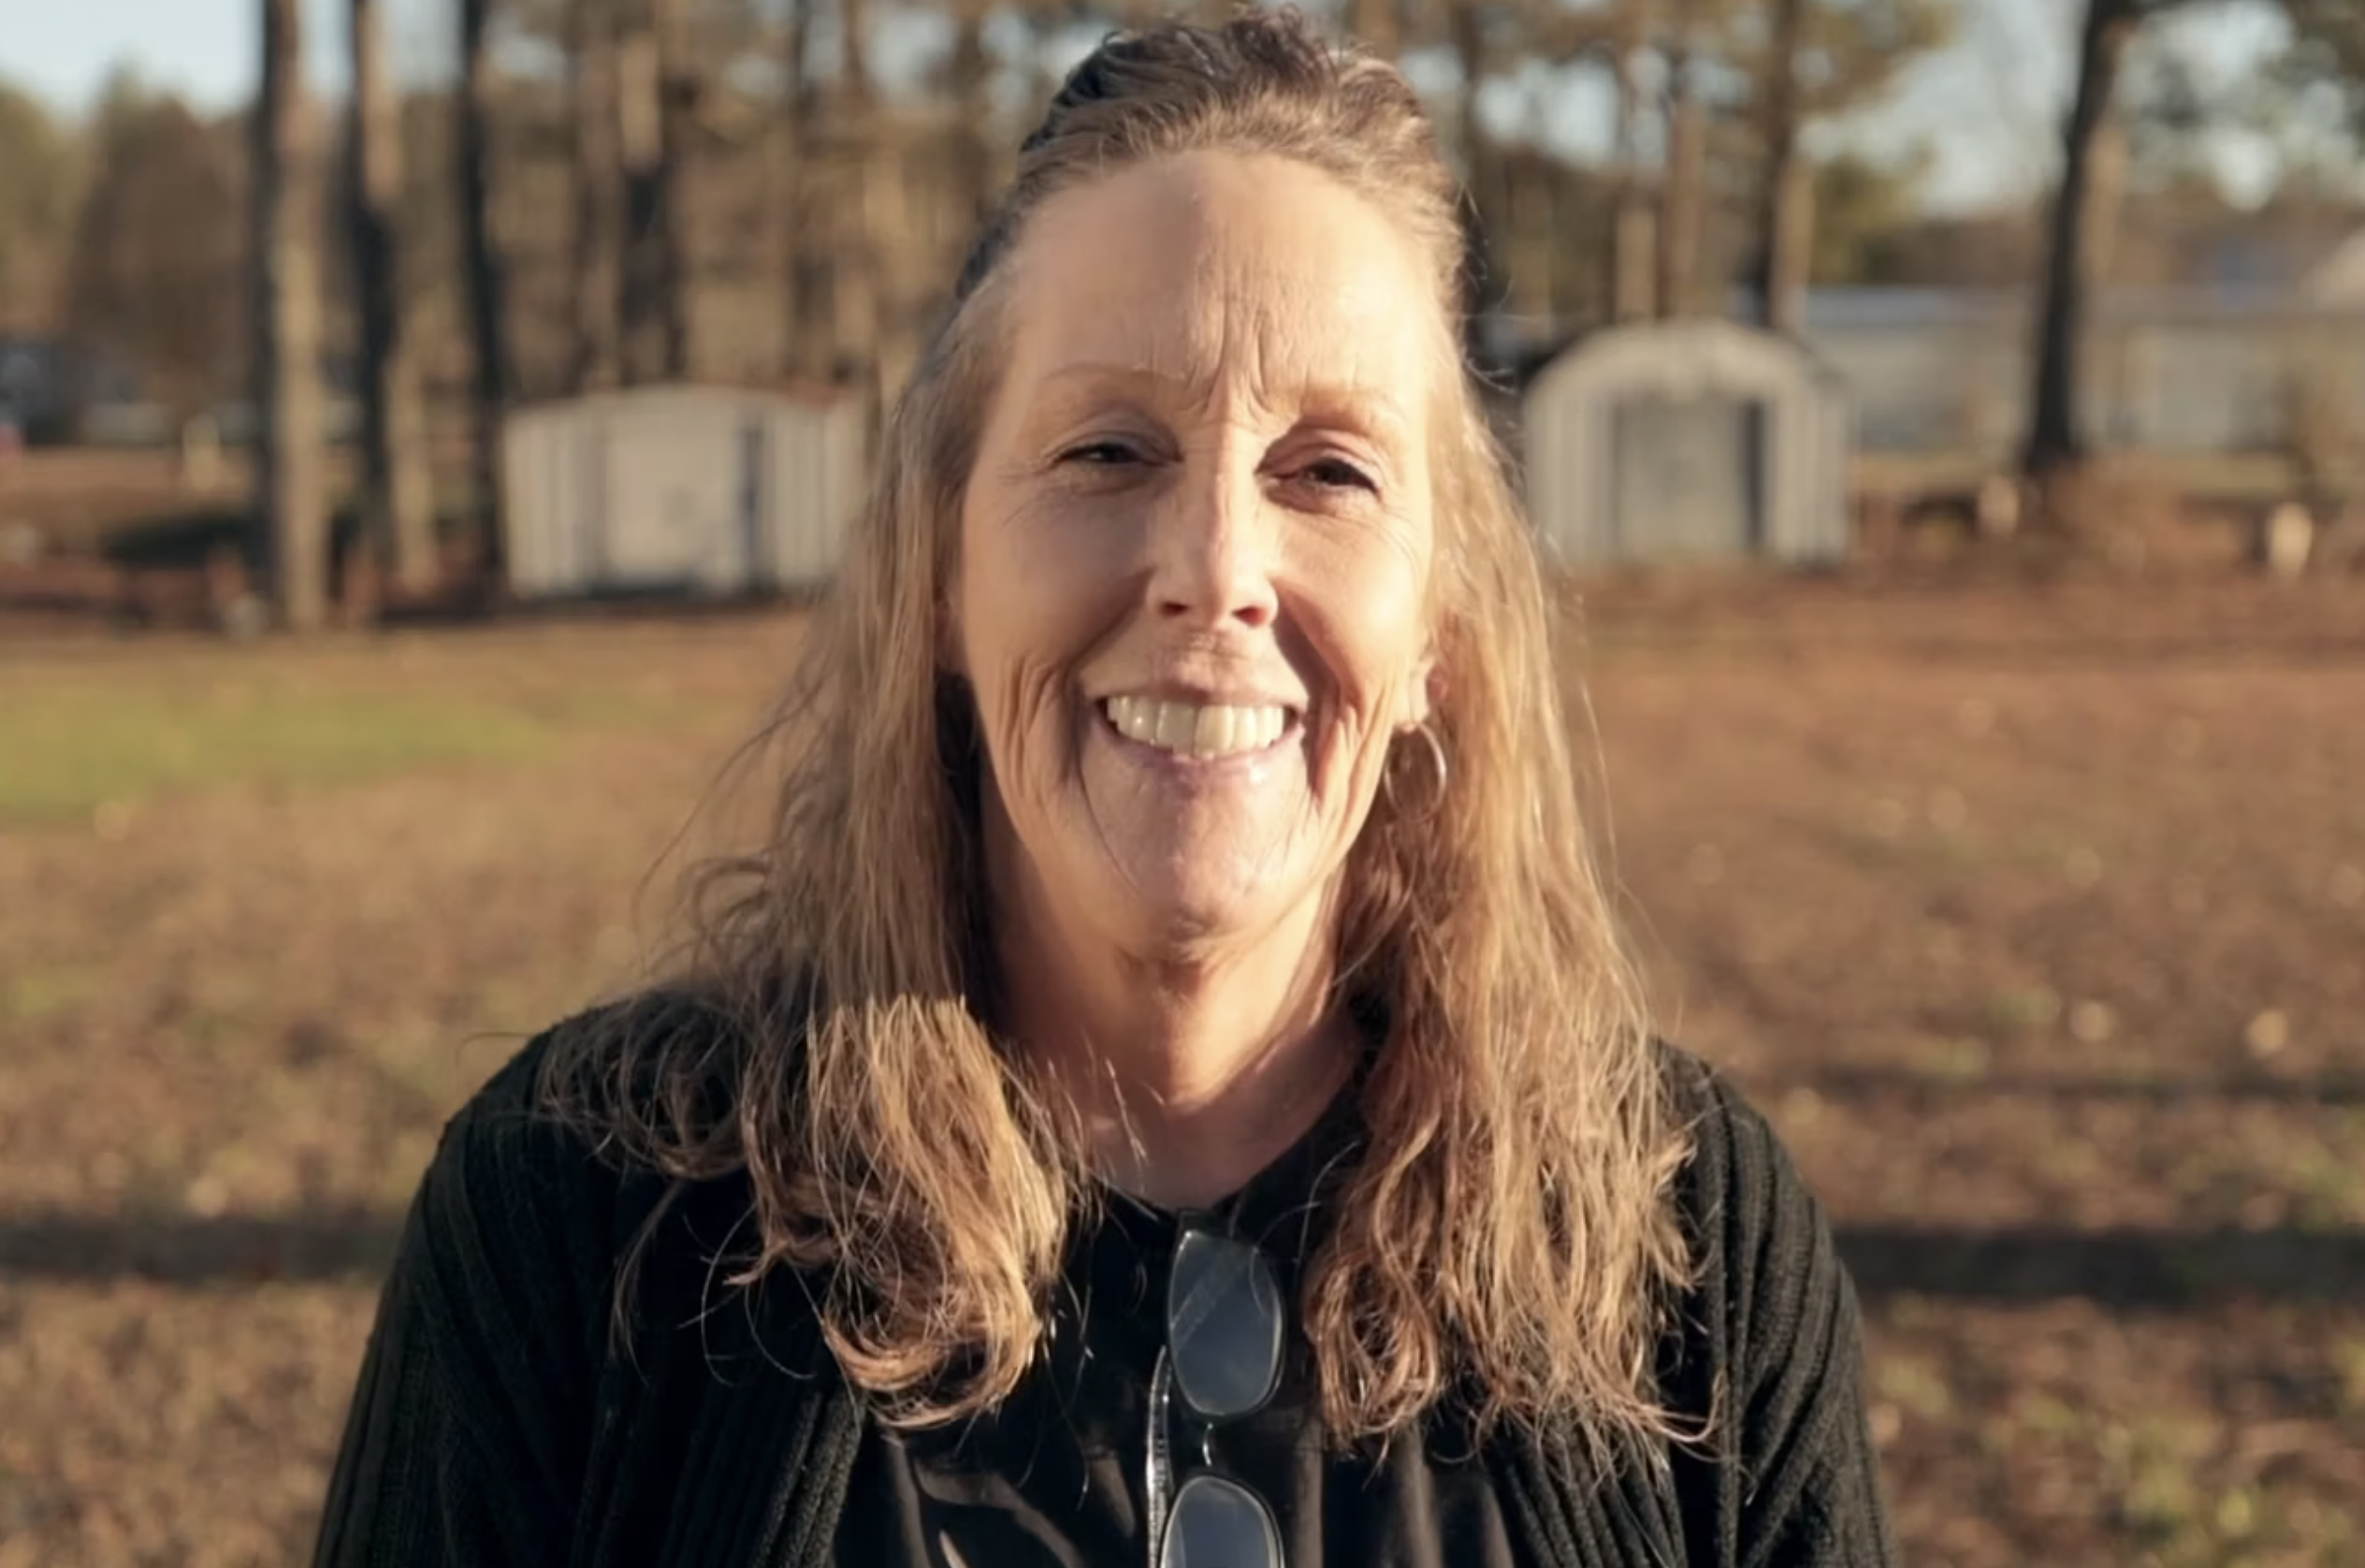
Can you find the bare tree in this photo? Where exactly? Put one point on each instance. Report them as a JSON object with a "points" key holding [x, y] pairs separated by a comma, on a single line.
{"points": [[1634, 236], [656, 98], [1470, 37], [1809, 60], [483, 281], [159, 274], [857, 308], [40, 180], [287, 291], [2056, 443], [398, 499], [594, 307], [2327, 50], [1683, 193], [641, 150], [1378, 25], [803, 267], [836, 157], [971, 87], [1786, 192]]}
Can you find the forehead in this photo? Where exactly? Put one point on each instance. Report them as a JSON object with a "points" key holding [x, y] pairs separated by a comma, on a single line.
{"points": [[1218, 269]]}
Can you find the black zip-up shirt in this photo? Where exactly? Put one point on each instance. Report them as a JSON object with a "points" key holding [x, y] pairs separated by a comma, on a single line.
{"points": [[498, 1421]]}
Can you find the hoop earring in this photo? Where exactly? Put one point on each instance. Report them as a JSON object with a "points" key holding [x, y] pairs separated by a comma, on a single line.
{"points": [[1440, 768]]}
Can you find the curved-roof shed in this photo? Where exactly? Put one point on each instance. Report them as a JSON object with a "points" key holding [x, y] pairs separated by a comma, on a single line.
{"points": [[1688, 440]]}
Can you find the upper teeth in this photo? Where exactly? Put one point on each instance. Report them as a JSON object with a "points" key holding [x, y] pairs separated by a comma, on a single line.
{"points": [[1194, 730]]}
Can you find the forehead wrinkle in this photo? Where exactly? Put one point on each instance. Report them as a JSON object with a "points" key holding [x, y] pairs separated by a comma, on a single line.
{"points": [[1225, 317], [1246, 353], [1285, 334]]}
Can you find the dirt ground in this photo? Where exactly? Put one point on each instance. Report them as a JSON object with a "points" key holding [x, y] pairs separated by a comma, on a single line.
{"points": [[2034, 917]]}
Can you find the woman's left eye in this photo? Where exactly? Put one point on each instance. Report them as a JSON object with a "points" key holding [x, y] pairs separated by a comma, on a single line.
{"points": [[1338, 473], [1100, 454]]}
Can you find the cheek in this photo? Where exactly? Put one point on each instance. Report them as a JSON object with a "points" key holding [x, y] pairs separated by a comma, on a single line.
{"points": [[1365, 615], [1014, 680], [1369, 608], [1028, 614], [1039, 565]]}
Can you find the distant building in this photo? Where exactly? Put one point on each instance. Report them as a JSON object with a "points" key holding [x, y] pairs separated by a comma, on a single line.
{"points": [[47, 387], [696, 490], [1687, 441], [2183, 370]]}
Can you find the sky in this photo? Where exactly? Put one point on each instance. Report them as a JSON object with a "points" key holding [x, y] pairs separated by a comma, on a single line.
{"points": [[1989, 107]]}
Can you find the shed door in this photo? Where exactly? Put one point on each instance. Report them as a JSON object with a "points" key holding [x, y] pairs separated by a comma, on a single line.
{"points": [[755, 567], [1687, 476], [673, 498]]}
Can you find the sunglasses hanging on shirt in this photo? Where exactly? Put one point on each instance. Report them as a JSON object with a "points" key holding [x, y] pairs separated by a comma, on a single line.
{"points": [[1224, 1328]]}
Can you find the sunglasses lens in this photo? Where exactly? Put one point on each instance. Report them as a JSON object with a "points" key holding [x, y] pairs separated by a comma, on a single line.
{"points": [[1224, 1325], [1219, 1524]]}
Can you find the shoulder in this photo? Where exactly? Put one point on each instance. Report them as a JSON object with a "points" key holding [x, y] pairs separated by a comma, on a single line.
{"points": [[529, 1193], [1766, 1352], [1767, 1283], [1739, 1185], [512, 1136]]}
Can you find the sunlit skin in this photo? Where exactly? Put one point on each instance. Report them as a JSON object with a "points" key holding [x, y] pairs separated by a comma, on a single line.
{"points": [[1204, 478]]}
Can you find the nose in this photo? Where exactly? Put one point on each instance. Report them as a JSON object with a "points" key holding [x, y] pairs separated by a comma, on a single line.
{"points": [[1211, 549]]}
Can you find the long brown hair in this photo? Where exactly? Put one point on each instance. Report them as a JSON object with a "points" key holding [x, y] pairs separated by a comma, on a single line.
{"points": [[1507, 1236]]}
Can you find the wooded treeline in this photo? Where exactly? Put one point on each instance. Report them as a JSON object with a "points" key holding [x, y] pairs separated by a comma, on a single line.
{"points": [[608, 192]]}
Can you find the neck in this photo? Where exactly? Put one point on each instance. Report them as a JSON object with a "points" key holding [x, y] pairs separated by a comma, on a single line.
{"points": [[1190, 1072]]}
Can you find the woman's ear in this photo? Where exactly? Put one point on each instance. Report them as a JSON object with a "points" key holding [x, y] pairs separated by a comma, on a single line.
{"points": [[1422, 693]]}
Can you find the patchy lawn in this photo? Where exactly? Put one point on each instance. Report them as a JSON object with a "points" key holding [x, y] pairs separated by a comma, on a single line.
{"points": [[91, 732], [2035, 919]]}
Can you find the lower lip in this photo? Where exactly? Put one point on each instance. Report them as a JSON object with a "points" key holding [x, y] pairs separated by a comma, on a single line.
{"points": [[1187, 765]]}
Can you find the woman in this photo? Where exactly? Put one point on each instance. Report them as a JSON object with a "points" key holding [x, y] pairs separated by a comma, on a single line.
{"points": [[1169, 1091]]}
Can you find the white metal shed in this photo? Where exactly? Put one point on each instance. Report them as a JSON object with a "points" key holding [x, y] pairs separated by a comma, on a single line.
{"points": [[703, 491], [1689, 440]]}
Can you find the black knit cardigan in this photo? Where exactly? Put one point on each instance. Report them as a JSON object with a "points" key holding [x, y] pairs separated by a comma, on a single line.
{"points": [[500, 1421]]}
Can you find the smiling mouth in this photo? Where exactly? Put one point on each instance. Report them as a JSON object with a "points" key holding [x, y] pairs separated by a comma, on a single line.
{"points": [[1196, 729]]}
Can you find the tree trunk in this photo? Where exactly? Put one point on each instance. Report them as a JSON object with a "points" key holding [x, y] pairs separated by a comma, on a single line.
{"points": [[678, 90], [853, 16], [891, 231], [855, 317], [1793, 259], [2055, 441], [288, 362], [1376, 25], [482, 276], [1535, 229], [1785, 192], [1684, 193], [802, 267], [397, 496], [598, 177], [972, 88], [1634, 261], [2106, 200], [1465, 30], [640, 72], [657, 94]]}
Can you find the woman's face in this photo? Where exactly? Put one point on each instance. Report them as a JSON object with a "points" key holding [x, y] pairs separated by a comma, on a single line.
{"points": [[1196, 545]]}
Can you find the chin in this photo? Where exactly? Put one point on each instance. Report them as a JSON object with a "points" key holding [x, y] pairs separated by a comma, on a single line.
{"points": [[1162, 911]]}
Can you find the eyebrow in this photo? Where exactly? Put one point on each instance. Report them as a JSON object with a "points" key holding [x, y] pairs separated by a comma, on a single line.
{"points": [[1370, 404]]}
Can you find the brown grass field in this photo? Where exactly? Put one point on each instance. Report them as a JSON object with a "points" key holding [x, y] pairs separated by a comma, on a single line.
{"points": [[2034, 917]]}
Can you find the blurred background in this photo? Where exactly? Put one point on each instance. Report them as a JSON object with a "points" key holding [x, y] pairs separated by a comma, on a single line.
{"points": [[422, 423]]}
